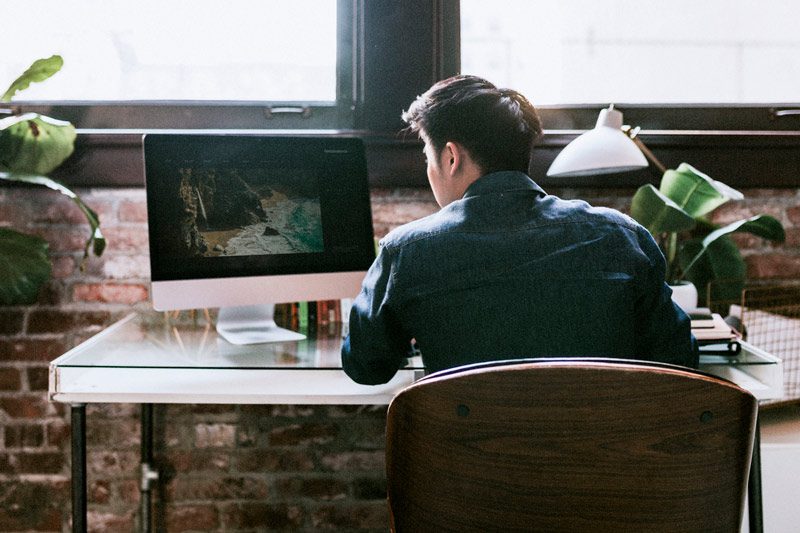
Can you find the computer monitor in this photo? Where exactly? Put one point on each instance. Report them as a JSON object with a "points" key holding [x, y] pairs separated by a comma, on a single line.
{"points": [[244, 221]]}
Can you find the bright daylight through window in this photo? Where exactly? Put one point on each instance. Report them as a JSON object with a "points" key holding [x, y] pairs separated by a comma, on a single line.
{"points": [[678, 51], [119, 50]]}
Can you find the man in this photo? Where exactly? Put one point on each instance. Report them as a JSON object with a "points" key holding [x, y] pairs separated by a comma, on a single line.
{"points": [[504, 270]]}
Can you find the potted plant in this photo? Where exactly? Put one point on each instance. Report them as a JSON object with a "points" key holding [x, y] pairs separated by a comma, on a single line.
{"points": [[31, 146], [696, 250]]}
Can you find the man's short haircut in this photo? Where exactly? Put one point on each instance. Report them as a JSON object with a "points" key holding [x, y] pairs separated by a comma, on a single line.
{"points": [[496, 126]]}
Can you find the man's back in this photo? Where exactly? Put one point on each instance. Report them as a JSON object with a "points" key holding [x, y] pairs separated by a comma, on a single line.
{"points": [[509, 272]]}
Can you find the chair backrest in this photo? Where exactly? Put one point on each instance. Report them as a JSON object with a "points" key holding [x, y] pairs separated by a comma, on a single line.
{"points": [[569, 445]]}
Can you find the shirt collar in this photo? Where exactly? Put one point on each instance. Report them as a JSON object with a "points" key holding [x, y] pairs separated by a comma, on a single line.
{"points": [[503, 181]]}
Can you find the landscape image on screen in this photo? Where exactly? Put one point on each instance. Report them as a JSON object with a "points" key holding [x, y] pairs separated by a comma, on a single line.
{"points": [[237, 212]]}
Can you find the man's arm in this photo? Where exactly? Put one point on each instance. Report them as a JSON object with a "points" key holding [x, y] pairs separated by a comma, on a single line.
{"points": [[664, 330], [376, 346]]}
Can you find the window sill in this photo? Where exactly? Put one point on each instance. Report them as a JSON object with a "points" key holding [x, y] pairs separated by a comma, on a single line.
{"points": [[766, 159]]}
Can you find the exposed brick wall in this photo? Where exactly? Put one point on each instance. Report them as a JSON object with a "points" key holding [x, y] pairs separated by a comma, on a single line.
{"points": [[225, 468]]}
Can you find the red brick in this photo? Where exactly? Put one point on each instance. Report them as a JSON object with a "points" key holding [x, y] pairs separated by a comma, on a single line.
{"points": [[113, 411], [100, 522], [316, 488], [58, 433], [263, 516], [99, 491], [8, 464], [116, 434], [126, 267], [198, 460], [112, 463], [363, 516], [128, 491], [370, 489], [51, 294], [192, 518], [10, 379], [214, 436], [793, 213], [24, 406], [33, 506], [11, 321], [64, 239], [302, 434], [41, 463], [14, 214], [63, 266], [127, 239], [792, 238], [773, 266], [38, 378], [109, 293], [32, 350], [130, 211], [262, 460], [24, 436], [259, 412], [355, 460], [64, 321], [59, 210], [187, 488]]}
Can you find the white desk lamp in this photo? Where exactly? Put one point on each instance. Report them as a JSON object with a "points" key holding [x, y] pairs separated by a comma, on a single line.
{"points": [[609, 147]]}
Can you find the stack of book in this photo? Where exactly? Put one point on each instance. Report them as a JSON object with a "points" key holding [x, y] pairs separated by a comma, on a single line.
{"points": [[710, 326], [305, 316], [711, 331]]}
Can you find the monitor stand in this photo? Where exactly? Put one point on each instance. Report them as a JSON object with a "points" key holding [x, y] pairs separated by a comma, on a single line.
{"points": [[252, 324]]}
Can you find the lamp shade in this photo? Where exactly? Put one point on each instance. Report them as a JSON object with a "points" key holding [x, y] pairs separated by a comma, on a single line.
{"points": [[602, 150]]}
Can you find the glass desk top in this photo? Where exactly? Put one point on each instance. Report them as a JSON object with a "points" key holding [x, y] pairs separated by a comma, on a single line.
{"points": [[157, 340], [127, 361]]}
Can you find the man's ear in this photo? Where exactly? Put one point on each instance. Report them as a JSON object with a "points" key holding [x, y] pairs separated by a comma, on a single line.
{"points": [[452, 158]]}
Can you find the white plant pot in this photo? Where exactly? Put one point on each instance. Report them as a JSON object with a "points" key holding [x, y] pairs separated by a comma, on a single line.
{"points": [[685, 295]]}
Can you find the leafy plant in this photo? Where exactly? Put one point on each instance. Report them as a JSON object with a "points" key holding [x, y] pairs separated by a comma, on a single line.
{"points": [[697, 250], [31, 146]]}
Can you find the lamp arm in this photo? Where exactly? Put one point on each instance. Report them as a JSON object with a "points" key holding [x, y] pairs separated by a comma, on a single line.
{"points": [[648, 154]]}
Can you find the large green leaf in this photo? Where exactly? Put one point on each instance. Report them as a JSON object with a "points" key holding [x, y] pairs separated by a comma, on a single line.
{"points": [[763, 226], [96, 242], [40, 70], [24, 267], [34, 144], [760, 225], [658, 213], [695, 192], [720, 261]]}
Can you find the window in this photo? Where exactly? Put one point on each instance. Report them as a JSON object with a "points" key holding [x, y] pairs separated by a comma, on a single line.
{"points": [[291, 59], [673, 52], [177, 50]]}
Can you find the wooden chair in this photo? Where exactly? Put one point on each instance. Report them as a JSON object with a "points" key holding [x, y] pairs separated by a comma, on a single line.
{"points": [[569, 445]]}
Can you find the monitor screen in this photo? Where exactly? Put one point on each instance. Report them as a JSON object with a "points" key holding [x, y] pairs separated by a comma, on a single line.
{"points": [[241, 219]]}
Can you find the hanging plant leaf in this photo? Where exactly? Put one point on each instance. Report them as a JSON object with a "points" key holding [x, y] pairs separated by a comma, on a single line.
{"points": [[40, 70], [695, 192], [34, 144], [24, 267]]}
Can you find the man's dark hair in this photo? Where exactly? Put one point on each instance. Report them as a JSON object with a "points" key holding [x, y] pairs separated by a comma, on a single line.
{"points": [[496, 126]]}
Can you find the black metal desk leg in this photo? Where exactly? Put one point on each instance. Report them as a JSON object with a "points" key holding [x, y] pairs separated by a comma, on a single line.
{"points": [[78, 432], [149, 475], [755, 509]]}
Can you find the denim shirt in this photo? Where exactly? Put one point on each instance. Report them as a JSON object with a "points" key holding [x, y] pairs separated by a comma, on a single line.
{"points": [[510, 272]]}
